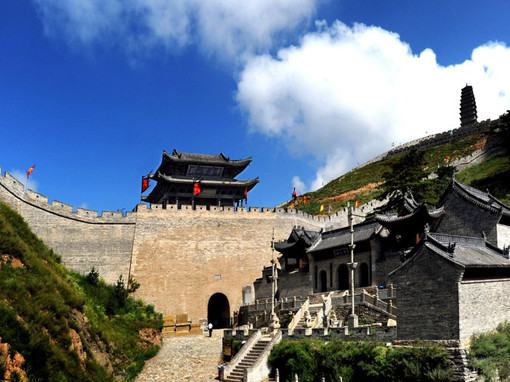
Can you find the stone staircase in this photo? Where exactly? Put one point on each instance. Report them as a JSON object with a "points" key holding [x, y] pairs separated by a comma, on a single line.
{"points": [[313, 310], [237, 375]]}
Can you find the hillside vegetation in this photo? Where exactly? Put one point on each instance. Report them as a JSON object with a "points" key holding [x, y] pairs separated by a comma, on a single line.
{"points": [[367, 183], [60, 326], [371, 361]]}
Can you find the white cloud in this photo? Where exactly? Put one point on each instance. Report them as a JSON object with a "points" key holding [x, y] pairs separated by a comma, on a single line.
{"points": [[21, 176], [299, 185], [223, 28], [345, 94]]}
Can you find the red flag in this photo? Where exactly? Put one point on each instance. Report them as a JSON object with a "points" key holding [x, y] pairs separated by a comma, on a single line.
{"points": [[196, 189], [357, 203], [294, 195], [30, 169], [246, 193], [145, 183]]}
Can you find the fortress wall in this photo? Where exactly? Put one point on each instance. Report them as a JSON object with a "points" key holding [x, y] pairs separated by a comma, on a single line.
{"points": [[182, 257], [435, 140], [83, 238]]}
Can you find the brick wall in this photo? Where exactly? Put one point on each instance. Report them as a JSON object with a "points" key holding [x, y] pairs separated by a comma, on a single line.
{"points": [[82, 237], [503, 232], [181, 257], [427, 298], [483, 305]]}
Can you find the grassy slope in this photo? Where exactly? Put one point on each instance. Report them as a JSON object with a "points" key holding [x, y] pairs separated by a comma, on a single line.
{"points": [[42, 305], [362, 183]]}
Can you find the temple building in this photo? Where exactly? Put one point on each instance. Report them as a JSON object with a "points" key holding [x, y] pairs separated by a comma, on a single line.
{"points": [[467, 106], [199, 179], [316, 262]]}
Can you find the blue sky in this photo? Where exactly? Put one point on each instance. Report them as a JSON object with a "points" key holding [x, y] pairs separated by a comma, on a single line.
{"points": [[92, 93]]}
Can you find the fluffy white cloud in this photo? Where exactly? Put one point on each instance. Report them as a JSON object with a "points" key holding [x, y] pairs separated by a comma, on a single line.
{"points": [[345, 94], [224, 28], [299, 185], [21, 176]]}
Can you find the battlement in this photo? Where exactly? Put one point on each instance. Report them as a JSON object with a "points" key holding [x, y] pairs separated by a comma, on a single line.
{"points": [[438, 139], [16, 189]]}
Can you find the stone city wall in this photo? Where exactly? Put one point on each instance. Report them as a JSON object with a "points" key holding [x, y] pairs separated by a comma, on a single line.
{"points": [[483, 304], [83, 238], [438, 139], [180, 256]]}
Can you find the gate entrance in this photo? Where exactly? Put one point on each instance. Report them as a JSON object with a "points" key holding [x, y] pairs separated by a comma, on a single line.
{"points": [[218, 311]]}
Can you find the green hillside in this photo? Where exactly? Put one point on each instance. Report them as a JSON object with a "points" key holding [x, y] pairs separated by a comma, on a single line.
{"points": [[367, 183], [59, 326]]}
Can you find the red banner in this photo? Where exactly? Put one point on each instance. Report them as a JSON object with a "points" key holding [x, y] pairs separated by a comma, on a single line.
{"points": [[196, 189]]}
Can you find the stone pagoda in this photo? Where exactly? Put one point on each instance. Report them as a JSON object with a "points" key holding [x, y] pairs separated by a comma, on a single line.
{"points": [[199, 179], [467, 106]]}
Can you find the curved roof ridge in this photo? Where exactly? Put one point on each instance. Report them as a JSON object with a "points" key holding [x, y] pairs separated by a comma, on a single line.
{"points": [[480, 198], [433, 213], [210, 158]]}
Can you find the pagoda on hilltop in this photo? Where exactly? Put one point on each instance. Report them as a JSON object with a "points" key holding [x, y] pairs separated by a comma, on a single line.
{"points": [[467, 106], [199, 179]]}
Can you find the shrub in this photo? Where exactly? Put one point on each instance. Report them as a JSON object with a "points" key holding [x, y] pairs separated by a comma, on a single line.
{"points": [[489, 353], [359, 361]]}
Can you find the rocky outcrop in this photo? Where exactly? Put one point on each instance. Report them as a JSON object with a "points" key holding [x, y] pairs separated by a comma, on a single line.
{"points": [[10, 363]]}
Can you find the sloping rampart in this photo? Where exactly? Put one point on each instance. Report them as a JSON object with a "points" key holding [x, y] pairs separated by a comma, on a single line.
{"points": [[83, 238]]}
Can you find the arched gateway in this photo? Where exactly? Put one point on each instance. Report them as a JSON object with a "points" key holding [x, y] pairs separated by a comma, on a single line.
{"points": [[218, 311]]}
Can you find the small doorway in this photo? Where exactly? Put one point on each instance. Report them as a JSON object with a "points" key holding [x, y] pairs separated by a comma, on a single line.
{"points": [[323, 281], [343, 277], [364, 277], [218, 311]]}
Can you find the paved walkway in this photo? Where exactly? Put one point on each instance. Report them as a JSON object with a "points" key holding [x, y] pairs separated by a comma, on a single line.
{"points": [[187, 358]]}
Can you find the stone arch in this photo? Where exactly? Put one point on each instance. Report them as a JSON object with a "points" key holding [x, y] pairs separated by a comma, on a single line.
{"points": [[364, 275], [342, 276], [323, 281], [218, 311]]}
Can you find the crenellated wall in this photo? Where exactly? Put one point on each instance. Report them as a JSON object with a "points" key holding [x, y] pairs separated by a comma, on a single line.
{"points": [[180, 256], [83, 238]]}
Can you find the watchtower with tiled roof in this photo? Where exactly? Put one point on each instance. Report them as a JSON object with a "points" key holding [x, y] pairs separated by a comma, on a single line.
{"points": [[199, 179]]}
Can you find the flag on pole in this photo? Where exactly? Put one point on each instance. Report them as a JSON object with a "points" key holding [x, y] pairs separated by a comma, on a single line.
{"points": [[322, 207], [304, 200], [357, 203], [196, 188], [246, 193], [30, 169], [145, 182], [330, 209], [348, 204], [294, 194]]}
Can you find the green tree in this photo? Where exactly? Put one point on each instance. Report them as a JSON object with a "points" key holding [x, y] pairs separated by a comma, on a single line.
{"points": [[407, 174]]}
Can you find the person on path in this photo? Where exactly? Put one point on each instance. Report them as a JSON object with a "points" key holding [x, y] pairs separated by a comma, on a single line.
{"points": [[210, 329]]}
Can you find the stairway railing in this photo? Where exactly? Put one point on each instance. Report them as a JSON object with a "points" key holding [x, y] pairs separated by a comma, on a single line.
{"points": [[299, 314], [260, 369], [229, 367]]}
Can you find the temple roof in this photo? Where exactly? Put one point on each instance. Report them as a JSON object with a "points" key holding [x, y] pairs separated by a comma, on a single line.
{"points": [[479, 198], [415, 212], [342, 237], [298, 236], [205, 159], [250, 183], [465, 252]]}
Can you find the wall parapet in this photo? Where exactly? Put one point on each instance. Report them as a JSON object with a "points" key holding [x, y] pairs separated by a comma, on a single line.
{"points": [[40, 201]]}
